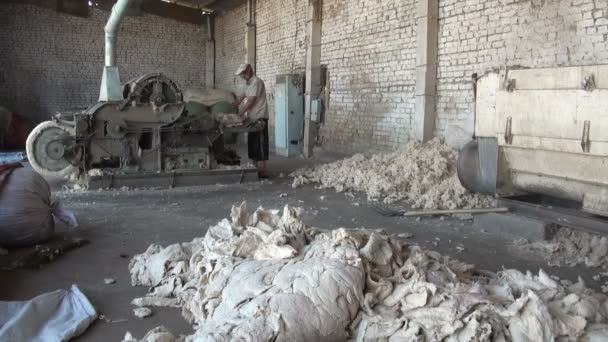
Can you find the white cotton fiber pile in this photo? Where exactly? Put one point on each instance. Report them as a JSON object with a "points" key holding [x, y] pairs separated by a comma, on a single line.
{"points": [[265, 276], [424, 174]]}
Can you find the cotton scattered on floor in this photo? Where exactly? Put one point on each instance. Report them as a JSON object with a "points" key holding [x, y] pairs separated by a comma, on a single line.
{"points": [[142, 312], [158, 334], [424, 174], [265, 276], [571, 248]]}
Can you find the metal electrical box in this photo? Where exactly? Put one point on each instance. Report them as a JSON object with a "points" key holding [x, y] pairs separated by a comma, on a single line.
{"points": [[289, 115]]}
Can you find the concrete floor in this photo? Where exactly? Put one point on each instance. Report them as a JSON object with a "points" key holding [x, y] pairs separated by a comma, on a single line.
{"points": [[126, 222]]}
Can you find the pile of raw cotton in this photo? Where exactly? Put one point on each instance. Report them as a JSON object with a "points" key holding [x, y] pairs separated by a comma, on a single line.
{"points": [[422, 173], [571, 248], [266, 276]]}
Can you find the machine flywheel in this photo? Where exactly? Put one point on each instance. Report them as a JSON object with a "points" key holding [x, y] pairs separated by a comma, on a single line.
{"points": [[50, 150]]}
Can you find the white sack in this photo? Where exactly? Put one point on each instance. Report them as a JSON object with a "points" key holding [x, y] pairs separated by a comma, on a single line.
{"points": [[53, 316]]}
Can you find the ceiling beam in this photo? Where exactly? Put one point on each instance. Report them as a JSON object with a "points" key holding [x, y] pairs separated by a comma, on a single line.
{"points": [[206, 3], [173, 11]]}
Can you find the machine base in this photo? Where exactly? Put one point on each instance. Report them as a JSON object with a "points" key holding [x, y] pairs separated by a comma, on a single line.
{"points": [[173, 179], [557, 211]]}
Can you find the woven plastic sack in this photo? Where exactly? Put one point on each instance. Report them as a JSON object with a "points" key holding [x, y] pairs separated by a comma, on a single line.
{"points": [[26, 211]]}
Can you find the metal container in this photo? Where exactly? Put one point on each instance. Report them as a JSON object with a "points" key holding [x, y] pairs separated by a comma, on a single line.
{"points": [[289, 115], [550, 128]]}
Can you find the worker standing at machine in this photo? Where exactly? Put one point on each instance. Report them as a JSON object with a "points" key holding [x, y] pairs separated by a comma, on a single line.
{"points": [[254, 107]]}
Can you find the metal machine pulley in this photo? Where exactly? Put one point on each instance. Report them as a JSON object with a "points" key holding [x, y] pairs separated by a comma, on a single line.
{"points": [[154, 89], [116, 128], [52, 150]]}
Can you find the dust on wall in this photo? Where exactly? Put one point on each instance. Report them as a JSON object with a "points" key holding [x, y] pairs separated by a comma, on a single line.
{"points": [[51, 61], [369, 48]]}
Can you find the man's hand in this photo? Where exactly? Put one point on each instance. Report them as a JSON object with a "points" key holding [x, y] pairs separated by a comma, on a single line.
{"points": [[246, 104]]}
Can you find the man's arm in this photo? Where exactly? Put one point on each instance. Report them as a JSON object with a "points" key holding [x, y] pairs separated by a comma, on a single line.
{"points": [[239, 97], [246, 104]]}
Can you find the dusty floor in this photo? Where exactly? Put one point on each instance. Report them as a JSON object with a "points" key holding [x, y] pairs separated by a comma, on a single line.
{"points": [[126, 222]]}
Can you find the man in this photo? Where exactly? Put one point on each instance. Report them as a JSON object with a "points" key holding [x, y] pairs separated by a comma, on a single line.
{"points": [[253, 106]]}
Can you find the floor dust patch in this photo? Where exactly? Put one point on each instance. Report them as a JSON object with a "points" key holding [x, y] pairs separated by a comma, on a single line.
{"points": [[424, 174], [267, 276]]}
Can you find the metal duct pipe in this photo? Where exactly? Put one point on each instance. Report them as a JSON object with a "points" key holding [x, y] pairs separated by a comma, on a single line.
{"points": [[111, 29]]}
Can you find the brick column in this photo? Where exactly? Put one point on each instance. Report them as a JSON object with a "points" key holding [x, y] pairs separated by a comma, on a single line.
{"points": [[313, 71], [426, 69], [210, 53], [250, 35]]}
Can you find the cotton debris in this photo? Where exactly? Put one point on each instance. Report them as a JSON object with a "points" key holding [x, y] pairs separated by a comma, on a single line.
{"points": [[228, 119], [422, 173], [262, 276], [142, 312], [158, 334], [571, 248]]}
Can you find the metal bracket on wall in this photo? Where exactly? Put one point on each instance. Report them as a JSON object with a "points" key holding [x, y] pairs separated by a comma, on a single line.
{"points": [[588, 83], [508, 133], [172, 184], [510, 84], [585, 141]]}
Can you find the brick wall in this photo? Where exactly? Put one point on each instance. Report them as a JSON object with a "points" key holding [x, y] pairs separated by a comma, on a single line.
{"points": [[369, 47], [370, 50], [476, 36], [51, 61], [230, 29], [280, 43]]}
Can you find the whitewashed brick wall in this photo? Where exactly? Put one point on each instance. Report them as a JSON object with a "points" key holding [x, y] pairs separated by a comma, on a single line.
{"points": [[476, 36], [280, 43], [230, 29], [370, 49], [51, 61]]}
